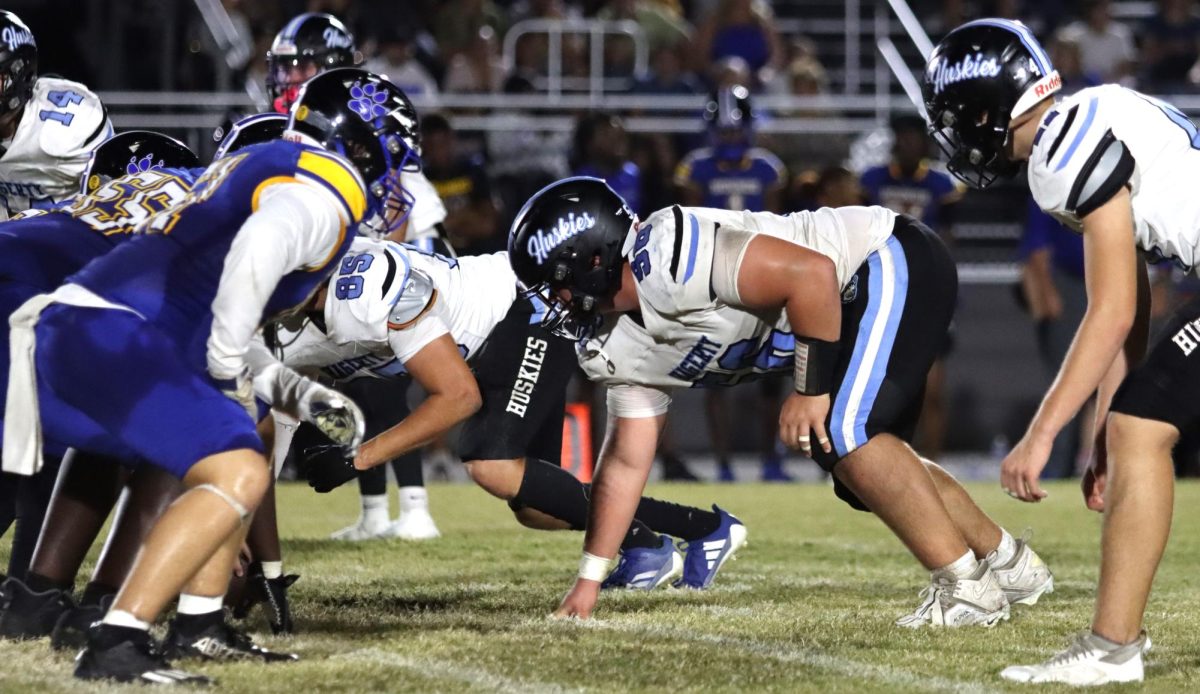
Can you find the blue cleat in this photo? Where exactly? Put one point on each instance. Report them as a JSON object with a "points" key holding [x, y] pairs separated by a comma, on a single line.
{"points": [[725, 473], [705, 557], [772, 470], [646, 569]]}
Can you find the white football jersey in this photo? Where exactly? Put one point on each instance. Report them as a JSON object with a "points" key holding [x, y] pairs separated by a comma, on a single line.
{"points": [[60, 126], [428, 210], [686, 336], [387, 301], [1073, 166]]}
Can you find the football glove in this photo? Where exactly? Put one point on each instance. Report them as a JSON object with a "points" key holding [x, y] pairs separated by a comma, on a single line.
{"points": [[323, 462], [240, 389], [334, 414]]}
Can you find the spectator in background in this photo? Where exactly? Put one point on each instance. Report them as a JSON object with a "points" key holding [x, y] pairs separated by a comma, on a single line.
{"points": [[1052, 285], [662, 27], [1170, 46], [459, 22], [1106, 48], [601, 150], [523, 158], [1067, 57], [741, 29], [733, 174], [397, 62], [908, 185], [667, 75], [478, 69], [472, 216]]}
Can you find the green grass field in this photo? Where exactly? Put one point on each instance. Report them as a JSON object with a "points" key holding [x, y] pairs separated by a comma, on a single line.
{"points": [[808, 606]]}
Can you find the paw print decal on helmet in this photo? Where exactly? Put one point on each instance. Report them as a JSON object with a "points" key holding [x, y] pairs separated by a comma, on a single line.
{"points": [[367, 101], [136, 165]]}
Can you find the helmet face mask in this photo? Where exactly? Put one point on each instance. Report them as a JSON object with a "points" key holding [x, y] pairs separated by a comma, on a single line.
{"points": [[371, 123], [980, 78], [729, 117], [565, 248]]}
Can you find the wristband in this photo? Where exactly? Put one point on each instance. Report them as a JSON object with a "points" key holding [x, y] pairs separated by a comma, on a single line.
{"points": [[813, 365], [593, 568]]}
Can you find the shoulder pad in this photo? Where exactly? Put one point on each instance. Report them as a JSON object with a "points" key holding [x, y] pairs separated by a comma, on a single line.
{"points": [[87, 125], [415, 300]]}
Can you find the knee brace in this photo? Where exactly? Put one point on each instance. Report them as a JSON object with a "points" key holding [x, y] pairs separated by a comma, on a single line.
{"points": [[243, 514], [843, 492]]}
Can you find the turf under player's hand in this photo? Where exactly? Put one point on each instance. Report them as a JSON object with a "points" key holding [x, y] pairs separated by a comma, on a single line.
{"points": [[802, 420], [1023, 466], [579, 601]]}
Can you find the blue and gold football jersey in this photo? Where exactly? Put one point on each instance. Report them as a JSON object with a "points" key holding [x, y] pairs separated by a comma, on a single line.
{"points": [[734, 186], [41, 248], [171, 270]]}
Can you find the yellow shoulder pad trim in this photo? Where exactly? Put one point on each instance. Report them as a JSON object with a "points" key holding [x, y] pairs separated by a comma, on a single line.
{"points": [[341, 179]]}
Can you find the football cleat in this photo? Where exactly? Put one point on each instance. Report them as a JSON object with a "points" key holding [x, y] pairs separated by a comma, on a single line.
{"points": [[71, 630], [30, 615], [131, 657], [271, 593], [956, 602], [705, 557], [364, 529], [644, 568], [1025, 578], [1085, 662], [772, 470], [414, 524], [217, 641]]}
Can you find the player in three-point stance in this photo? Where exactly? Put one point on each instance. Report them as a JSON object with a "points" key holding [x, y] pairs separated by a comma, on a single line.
{"points": [[855, 301], [1118, 167], [167, 319]]}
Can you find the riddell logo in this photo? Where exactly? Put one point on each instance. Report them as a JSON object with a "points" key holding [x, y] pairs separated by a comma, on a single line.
{"points": [[1048, 87]]}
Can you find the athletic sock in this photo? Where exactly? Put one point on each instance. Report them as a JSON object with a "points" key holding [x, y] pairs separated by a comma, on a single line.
{"points": [[40, 584], [640, 536], [199, 604], [548, 488], [190, 624], [123, 619], [963, 567], [94, 593], [1106, 644], [1006, 550], [413, 499], [684, 522], [271, 569], [375, 509]]}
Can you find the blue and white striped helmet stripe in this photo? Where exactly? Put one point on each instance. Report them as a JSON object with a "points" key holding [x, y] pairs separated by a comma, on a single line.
{"points": [[1027, 38], [290, 29]]}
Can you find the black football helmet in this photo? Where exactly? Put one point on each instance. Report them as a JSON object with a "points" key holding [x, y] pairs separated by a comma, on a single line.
{"points": [[308, 45], [132, 152], [729, 118], [570, 236], [371, 122], [977, 80], [18, 63], [251, 130]]}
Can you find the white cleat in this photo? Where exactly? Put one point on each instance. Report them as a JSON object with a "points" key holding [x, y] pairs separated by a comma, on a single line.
{"points": [[1025, 578], [364, 529], [951, 602], [1085, 663], [414, 524]]}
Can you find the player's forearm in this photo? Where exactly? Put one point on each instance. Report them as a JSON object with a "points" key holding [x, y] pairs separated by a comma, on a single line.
{"points": [[436, 415], [1096, 346]]}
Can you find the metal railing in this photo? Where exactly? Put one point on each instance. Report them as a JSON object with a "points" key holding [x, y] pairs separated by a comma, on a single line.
{"points": [[597, 31]]}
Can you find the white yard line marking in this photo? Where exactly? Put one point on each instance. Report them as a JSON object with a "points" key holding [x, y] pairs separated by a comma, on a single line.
{"points": [[443, 669], [803, 656]]}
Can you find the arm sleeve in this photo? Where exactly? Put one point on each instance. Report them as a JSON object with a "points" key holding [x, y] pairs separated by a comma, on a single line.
{"points": [[296, 226], [637, 402], [730, 248]]}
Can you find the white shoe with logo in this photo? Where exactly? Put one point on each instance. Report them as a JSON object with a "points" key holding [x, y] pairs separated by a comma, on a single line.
{"points": [[1025, 578], [1085, 662], [956, 602]]}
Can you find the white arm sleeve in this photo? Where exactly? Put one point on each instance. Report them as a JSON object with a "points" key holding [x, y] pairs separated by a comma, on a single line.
{"points": [[637, 402], [297, 225]]}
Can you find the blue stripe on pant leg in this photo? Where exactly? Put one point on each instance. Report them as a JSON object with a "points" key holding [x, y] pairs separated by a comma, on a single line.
{"points": [[879, 368], [841, 444]]}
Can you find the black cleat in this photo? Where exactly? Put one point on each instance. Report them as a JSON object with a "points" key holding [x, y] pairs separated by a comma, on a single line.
{"points": [[30, 615], [271, 593], [217, 641], [128, 655], [71, 630], [675, 470]]}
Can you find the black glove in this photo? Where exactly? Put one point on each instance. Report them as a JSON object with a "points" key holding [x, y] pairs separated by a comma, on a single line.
{"points": [[325, 464], [271, 593]]}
